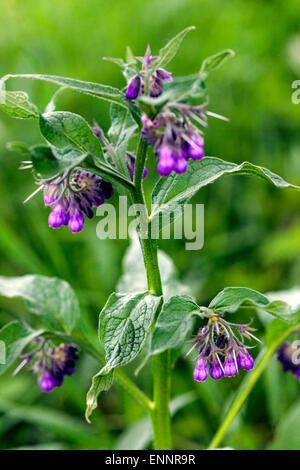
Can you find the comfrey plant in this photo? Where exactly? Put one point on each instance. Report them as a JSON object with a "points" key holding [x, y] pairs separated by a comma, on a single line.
{"points": [[77, 168]]}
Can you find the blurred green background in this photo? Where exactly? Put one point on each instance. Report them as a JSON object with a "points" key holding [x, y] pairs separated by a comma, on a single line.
{"points": [[252, 231]]}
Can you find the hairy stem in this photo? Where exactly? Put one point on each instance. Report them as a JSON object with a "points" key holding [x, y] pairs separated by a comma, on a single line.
{"points": [[160, 414], [248, 385]]}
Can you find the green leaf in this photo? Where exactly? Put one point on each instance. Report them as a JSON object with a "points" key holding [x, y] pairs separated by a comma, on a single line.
{"points": [[18, 105], [121, 129], [43, 160], [167, 53], [170, 194], [230, 300], [125, 322], [100, 383], [70, 135], [97, 90], [173, 324], [16, 337], [46, 164], [51, 299], [215, 61]]}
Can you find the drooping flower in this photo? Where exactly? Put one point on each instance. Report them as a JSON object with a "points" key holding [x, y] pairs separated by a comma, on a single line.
{"points": [[175, 140], [200, 371], [51, 364], [220, 348], [72, 197], [175, 137], [216, 371]]}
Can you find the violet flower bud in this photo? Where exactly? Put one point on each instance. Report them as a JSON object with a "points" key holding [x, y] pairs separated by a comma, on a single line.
{"points": [[200, 371], [76, 221], [245, 360], [215, 371], [47, 382], [166, 160], [133, 88], [230, 367]]}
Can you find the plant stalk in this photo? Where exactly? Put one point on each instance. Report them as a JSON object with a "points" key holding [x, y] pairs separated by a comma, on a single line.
{"points": [[160, 414]]}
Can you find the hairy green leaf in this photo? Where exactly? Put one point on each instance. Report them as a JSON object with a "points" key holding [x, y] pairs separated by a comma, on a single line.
{"points": [[18, 105], [16, 337], [170, 194], [100, 383], [68, 133], [230, 300], [125, 322], [167, 53], [97, 90], [173, 324], [51, 299]]}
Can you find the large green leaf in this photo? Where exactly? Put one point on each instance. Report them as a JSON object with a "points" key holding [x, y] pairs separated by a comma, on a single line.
{"points": [[125, 322], [101, 91], [44, 162], [231, 299], [69, 135], [51, 299], [97, 90], [170, 194], [167, 53], [18, 105], [173, 324], [121, 129], [16, 337]]}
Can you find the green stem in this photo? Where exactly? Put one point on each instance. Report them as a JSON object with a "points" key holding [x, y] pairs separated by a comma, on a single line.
{"points": [[160, 414], [247, 387]]}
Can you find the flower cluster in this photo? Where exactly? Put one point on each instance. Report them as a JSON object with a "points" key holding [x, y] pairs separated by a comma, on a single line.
{"points": [[289, 357], [175, 139], [73, 196], [51, 364], [149, 80], [220, 350]]}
